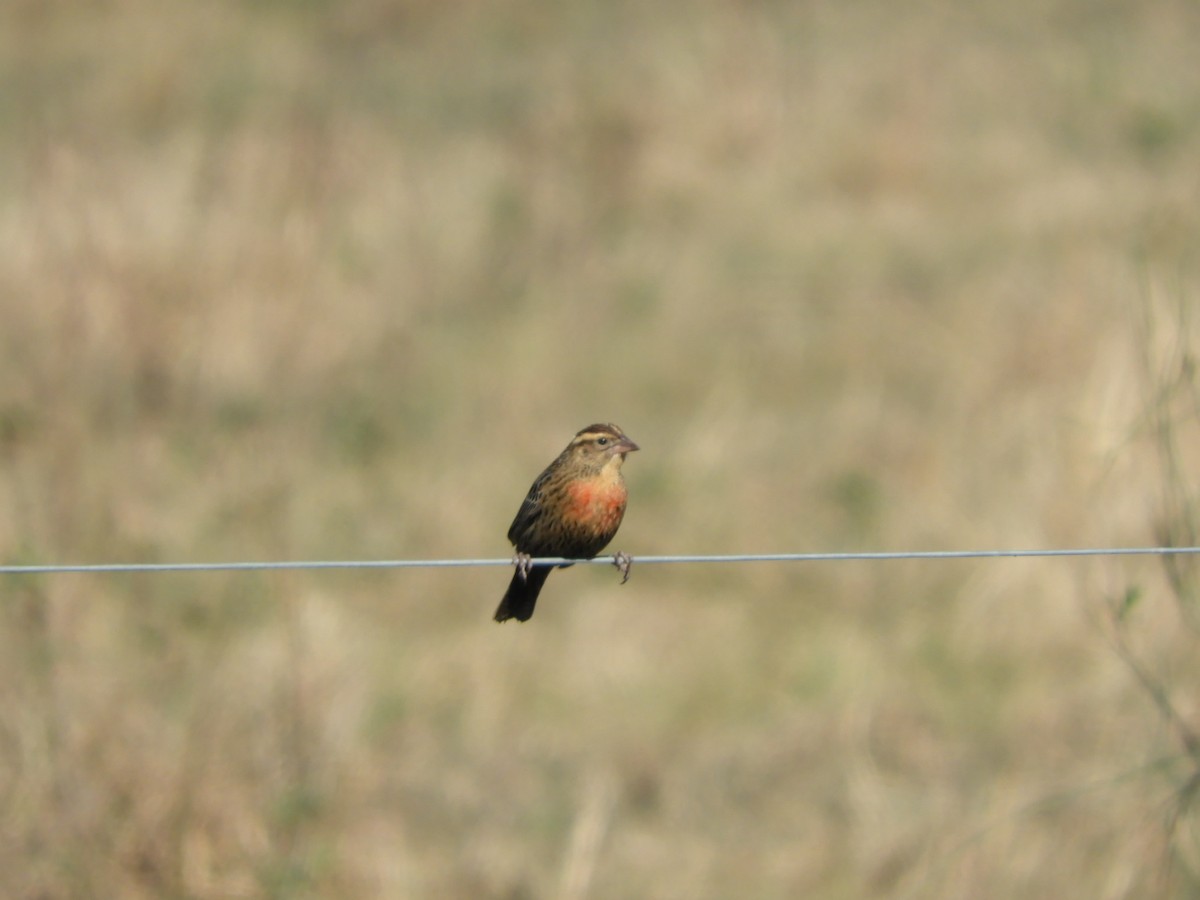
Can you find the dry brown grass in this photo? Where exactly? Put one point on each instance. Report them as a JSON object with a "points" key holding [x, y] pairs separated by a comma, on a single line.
{"points": [[333, 280]]}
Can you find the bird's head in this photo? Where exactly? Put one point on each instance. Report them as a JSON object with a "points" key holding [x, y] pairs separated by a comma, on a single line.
{"points": [[601, 445]]}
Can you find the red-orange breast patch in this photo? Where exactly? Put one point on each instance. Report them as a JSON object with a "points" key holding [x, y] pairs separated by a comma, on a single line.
{"points": [[591, 502]]}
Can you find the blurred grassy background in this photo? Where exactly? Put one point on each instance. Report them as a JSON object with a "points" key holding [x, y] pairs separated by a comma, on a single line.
{"points": [[335, 280]]}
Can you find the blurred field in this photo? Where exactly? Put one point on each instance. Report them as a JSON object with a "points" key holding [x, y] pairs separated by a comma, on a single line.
{"points": [[324, 280]]}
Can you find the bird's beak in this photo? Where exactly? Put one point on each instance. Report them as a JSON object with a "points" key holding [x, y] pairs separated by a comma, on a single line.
{"points": [[625, 445]]}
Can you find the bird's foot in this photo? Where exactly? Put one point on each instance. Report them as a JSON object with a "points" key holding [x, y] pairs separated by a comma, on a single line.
{"points": [[522, 562], [623, 561]]}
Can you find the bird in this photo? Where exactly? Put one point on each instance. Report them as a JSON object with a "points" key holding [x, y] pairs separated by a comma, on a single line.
{"points": [[572, 510]]}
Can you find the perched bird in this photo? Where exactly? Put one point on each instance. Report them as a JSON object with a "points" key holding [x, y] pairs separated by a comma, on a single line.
{"points": [[573, 510]]}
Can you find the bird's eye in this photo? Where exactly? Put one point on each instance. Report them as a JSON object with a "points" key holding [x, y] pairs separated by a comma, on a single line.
{"points": [[603, 442]]}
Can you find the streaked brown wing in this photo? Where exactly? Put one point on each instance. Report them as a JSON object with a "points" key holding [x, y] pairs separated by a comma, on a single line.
{"points": [[530, 511]]}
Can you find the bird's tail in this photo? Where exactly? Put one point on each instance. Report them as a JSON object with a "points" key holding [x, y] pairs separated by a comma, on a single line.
{"points": [[522, 594]]}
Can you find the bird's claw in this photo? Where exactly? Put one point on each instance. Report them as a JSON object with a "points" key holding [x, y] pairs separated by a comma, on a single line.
{"points": [[623, 561], [522, 562]]}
